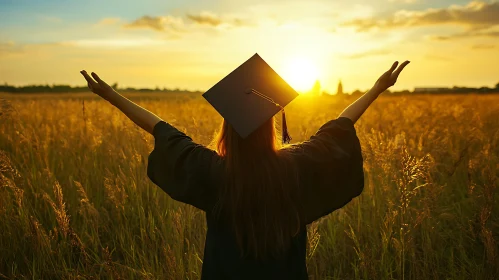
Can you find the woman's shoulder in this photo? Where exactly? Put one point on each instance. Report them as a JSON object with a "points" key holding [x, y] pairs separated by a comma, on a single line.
{"points": [[181, 167], [334, 142], [329, 167]]}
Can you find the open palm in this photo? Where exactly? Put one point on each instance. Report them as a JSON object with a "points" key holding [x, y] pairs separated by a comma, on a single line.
{"points": [[97, 86], [389, 78]]}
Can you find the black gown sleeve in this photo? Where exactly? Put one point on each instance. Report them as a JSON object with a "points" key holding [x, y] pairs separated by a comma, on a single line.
{"points": [[181, 167], [331, 169]]}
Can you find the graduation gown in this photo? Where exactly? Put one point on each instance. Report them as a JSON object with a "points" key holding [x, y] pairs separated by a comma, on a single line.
{"points": [[330, 164]]}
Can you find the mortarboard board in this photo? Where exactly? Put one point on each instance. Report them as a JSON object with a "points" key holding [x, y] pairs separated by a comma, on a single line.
{"points": [[250, 95]]}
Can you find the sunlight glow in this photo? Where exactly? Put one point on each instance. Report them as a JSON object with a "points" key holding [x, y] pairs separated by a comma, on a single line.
{"points": [[301, 74]]}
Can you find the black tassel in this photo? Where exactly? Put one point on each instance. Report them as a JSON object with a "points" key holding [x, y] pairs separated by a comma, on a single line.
{"points": [[285, 135]]}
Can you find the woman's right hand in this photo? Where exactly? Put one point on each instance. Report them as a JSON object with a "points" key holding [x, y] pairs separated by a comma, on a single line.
{"points": [[389, 78], [98, 86]]}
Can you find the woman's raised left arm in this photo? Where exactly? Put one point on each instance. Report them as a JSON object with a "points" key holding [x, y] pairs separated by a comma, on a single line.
{"points": [[140, 116]]}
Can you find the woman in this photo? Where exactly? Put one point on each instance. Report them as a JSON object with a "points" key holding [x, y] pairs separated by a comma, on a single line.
{"points": [[258, 197]]}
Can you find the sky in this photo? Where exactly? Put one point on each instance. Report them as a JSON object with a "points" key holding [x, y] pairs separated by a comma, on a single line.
{"points": [[192, 45]]}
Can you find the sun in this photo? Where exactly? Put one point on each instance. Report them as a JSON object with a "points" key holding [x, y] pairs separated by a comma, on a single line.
{"points": [[301, 73]]}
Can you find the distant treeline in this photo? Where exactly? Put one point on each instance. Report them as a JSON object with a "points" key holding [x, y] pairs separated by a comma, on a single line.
{"points": [[449, 90], [72, 89]]}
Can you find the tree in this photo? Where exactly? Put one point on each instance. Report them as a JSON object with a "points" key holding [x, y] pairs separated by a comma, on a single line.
{"points": [[316, 89], [340, 89], [497, 85], [357, 93]]}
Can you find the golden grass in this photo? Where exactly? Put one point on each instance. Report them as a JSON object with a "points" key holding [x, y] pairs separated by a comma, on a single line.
{"points": [[76, 203]]}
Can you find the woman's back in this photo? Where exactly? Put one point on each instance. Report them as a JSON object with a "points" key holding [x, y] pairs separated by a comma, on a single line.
{"points": [[222, 258], [329, 175]]}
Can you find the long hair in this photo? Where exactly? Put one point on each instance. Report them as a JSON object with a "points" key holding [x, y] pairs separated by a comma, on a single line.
{"points": [[258, 198]]}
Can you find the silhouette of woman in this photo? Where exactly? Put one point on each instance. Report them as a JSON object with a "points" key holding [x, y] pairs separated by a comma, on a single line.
{"points": [[258, 196]]}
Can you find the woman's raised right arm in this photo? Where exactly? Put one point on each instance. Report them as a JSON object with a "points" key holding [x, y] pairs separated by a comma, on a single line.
{"points": [[140, 116], [388, 79]]}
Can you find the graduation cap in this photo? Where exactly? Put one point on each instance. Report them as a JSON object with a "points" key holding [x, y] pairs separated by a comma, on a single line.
{"points": [[250, 95]]}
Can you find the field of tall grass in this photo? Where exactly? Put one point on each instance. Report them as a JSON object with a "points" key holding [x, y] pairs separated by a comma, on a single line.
{"points": [[76, 203]]}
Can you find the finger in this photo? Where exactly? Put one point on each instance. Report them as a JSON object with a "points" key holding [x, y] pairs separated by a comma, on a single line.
{"points": [[401, 67], [87, 77], [393, 66], [98, 79]]}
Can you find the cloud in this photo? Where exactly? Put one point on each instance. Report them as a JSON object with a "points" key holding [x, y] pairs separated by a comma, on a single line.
{"points": [[113, 43], [109, 21], [10, 47], [483, 47], [205, 18], [8, 43], [434, 57], [467, 34], [176, 25], [51, 19], [212, 19], [475, 15], [367, 54], [404, 1], [159, 23]]}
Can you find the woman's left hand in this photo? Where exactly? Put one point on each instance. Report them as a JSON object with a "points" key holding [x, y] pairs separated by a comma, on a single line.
{"points": [[98, 86], [389, 78]]}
